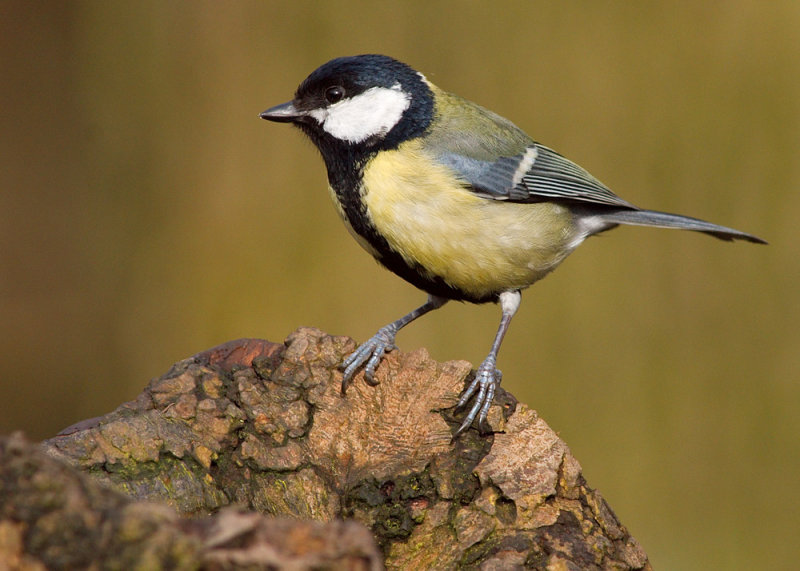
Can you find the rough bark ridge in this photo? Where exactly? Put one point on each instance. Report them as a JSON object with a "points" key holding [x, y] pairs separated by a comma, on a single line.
{"points": [[263, 426], [54, 517]]}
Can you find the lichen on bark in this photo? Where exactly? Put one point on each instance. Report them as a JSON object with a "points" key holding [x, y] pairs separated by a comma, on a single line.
{"points": [[264, 426]]}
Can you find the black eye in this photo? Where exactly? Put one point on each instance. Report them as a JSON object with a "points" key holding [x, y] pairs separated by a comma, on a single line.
{"points": [[334, 93]]}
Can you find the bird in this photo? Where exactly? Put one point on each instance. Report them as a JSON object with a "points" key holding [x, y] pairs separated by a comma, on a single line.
{"points": [[451, 197]]}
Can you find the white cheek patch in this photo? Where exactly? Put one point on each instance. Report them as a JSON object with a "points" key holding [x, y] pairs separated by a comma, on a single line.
{"points": [[370, 114]]}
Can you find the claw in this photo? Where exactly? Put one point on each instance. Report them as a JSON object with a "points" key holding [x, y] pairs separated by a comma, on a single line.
{"points": [[373, 350], [370, 352], [487, 379]]}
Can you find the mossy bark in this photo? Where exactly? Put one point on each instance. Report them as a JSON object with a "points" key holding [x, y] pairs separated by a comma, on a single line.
{"points": [[264, 427]]}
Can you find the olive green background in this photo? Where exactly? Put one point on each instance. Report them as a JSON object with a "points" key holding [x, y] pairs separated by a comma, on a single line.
{"points": [[146, 214]]}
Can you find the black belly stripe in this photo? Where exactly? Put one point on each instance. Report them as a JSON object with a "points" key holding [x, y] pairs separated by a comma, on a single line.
{"points": [[356, 212], [345, 172]]}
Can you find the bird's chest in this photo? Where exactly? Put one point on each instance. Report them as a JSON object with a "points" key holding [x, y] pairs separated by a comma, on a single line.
{"points": [[420, 211]]}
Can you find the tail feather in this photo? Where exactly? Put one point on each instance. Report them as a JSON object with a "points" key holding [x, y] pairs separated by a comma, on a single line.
{"points": [[666, 220]]}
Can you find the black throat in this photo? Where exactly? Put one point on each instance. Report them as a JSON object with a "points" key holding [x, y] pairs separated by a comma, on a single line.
{"points": [[347, 160]]}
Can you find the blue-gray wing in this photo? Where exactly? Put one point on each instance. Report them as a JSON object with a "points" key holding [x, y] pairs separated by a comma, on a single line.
{"points": [[535, 175]]}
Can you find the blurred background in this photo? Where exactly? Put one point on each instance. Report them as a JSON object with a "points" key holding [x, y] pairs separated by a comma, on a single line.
{"points": [[147, 213]]}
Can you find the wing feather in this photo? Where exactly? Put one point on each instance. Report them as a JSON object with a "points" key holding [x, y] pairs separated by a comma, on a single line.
{"points": [[536, 175], [497, 160], [557, 178]]}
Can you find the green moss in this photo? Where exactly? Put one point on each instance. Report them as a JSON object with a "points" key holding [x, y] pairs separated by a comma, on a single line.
{"points": [[393, 504], [393, 521], [477, 553], [415, 486]]}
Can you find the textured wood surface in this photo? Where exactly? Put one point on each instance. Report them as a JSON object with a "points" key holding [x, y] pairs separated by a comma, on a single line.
{"points": [[263, 426]]}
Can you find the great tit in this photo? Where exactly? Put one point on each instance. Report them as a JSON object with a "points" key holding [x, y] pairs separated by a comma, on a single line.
{"points": [[450, 196]]}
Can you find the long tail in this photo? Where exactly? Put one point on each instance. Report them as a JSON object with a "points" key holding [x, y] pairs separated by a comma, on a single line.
{"points": [[666, 220]]}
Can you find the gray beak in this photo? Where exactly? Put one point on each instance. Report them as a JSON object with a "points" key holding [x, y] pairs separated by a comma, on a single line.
{"points": [[283, 113]]}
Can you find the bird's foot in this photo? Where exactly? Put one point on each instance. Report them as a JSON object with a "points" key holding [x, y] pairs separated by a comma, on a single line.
{"points": [[487, 379], [370, 352]]}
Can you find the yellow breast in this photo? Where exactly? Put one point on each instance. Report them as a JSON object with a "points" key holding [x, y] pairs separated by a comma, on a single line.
{"points": [[479, 245]]}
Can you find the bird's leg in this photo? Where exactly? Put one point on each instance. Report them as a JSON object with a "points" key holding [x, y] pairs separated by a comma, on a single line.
{"points": [[371, 352], [487, 377]]}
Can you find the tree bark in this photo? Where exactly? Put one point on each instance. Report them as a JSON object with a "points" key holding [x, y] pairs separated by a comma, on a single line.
{"points": [[264, 427]]}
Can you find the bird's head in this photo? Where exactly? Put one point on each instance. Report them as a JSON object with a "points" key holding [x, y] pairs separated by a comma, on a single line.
{"points": [[368, 102]]}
